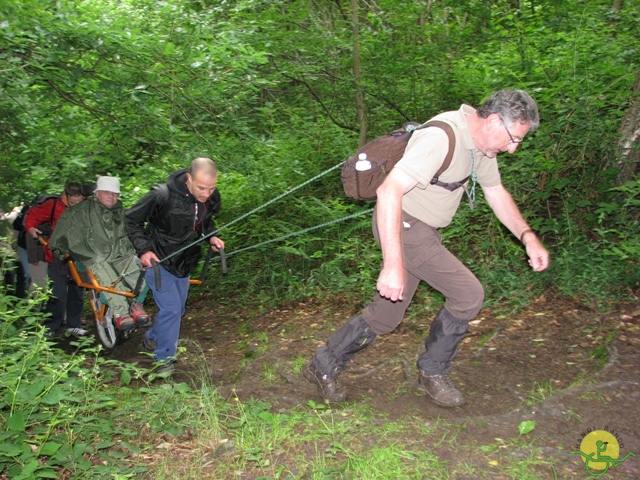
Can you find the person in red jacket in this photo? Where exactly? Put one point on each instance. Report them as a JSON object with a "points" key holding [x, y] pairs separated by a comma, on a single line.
{"points": [[66, 298]]}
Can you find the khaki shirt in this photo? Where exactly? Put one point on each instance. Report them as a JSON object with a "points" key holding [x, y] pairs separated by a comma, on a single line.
{"points": [[425, 154]]}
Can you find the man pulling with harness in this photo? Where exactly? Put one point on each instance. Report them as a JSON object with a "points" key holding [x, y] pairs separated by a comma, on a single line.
{"points": [[408, 214]]}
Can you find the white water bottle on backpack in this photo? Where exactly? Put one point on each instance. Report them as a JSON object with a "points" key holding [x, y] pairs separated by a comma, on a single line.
{"points": [[362, 163]]}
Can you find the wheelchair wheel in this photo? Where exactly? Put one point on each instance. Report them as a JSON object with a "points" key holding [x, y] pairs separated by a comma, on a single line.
{"points": [[105, 329]]}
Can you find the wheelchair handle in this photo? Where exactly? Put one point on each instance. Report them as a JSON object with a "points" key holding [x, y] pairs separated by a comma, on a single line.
{"points": [[207, 260], [156, 274], [205, 267], [136, 291], [223, 261]]}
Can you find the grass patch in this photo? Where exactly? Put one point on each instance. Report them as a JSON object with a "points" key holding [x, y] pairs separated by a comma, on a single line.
{"points": [[298, 363], [270, 373], [539, 392], [601, 355]]}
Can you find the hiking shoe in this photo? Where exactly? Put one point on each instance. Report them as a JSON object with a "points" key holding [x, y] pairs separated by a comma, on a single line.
{"points": [[441, 390], [149, 345], [328, 386], [125, 323], [140, 317], [78, 332], [165, 369]]}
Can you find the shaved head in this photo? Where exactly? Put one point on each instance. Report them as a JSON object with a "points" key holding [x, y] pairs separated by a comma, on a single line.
{"points": [[201, 178], [203, 167]]}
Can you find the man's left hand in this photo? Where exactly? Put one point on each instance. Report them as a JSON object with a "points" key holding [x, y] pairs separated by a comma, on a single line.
{"points": [[538, 255], [216, 244]]}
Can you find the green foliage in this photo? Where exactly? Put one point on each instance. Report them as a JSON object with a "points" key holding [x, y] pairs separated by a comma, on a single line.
{"points": [[526, 426], [266, 88], [55, 415]]}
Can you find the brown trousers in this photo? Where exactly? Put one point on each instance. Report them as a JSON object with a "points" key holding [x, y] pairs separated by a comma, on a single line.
{"points": [[425, 258]]}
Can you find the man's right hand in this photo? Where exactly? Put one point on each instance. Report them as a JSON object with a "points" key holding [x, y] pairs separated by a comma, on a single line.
{"points": [[147, 257], [389, 219], [391, 283], [34, 232]]}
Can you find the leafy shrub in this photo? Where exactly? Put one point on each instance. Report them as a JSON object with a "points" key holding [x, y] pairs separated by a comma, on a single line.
{"points": [[53, 409]]}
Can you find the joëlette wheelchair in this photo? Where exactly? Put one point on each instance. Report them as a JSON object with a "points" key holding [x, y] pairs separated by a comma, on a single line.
{"points": [[106, 331]]}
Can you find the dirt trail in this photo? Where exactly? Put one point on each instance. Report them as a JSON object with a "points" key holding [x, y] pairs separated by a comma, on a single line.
{"points": [[554, 362]]}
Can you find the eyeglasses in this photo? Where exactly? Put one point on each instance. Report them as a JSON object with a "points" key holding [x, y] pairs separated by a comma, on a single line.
{"points": [[511, 138]]}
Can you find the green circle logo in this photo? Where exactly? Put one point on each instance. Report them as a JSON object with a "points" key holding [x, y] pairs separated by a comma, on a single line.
{"points": [[596, 444], [600, 451]]}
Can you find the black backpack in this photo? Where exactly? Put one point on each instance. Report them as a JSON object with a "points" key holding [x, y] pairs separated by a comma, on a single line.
{"points": [[383, 153]]}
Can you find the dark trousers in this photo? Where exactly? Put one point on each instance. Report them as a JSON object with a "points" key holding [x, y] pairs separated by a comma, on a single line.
{"points": [[66, 298]]}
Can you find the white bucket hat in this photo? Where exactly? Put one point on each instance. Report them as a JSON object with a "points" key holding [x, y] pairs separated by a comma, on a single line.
{"points": [[108, 184]]}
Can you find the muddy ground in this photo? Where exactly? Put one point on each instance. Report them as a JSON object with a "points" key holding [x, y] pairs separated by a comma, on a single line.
{"points": [[555, 362]]}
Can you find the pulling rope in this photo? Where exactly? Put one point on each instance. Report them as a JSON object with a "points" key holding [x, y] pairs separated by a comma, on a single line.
{"points": [[251, 212], [300, 232]]}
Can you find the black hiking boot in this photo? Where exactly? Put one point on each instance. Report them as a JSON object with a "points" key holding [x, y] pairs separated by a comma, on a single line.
{"points": [[329, 387], [441, 390], [149, 345], [165, 369]]}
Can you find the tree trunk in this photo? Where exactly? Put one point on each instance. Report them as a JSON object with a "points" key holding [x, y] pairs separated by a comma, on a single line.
{"points": [[356, 73], [629, 142]]}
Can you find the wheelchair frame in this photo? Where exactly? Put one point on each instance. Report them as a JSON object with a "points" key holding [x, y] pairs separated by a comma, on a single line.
{"points": [[106, 331]]}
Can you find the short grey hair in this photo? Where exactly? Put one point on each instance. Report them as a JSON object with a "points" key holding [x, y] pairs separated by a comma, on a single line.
{"points": [[513, 106]]}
